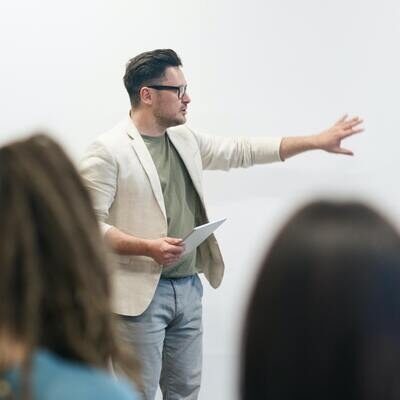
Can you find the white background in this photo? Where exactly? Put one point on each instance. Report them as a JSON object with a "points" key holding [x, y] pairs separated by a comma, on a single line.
{"points": [[277, 67]]}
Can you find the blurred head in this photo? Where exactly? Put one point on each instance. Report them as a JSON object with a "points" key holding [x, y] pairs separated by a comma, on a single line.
{"points": [[155, 83], [324, 317], [54, 285]]}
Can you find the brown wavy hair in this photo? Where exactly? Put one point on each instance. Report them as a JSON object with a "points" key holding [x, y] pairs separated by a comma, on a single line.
{"points": [[54, 285]]}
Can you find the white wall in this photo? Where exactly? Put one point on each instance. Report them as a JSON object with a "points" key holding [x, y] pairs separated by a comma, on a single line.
{"points": [[275, 67]]}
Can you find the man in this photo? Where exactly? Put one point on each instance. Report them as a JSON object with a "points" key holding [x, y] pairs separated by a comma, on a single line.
{"points": [[145, 178]]}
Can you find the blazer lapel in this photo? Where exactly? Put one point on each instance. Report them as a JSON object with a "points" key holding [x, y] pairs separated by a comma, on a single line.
{"points": [[140, 148]]}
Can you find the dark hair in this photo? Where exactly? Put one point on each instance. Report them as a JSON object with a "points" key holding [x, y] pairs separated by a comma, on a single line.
{"points": [[324, 317], [145, 68], [54, 284]]}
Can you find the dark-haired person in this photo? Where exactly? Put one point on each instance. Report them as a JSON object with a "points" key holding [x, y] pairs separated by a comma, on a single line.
{"points": [[324, 317], [145, 178], [57, 333]]}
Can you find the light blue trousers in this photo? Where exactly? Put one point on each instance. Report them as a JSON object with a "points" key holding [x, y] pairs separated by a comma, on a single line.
{"points": [[167, 338]]}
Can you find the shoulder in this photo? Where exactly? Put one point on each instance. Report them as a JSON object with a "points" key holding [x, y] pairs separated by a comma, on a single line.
{"points": [[60, 379], [180, 130], [184, 134], [113, 140]]}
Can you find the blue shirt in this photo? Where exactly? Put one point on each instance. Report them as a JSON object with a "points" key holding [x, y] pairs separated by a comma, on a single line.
{"points": [[55, 378]]}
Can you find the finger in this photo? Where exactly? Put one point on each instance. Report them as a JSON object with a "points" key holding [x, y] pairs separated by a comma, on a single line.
{"points": [[342, 119], [353, 122], [170, 262], [175, 250], [174, 241], [169, 259], [346, 152], [351, 132]]}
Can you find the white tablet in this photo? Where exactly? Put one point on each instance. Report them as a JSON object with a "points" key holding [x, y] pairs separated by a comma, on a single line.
{"points": [[199, 234]]}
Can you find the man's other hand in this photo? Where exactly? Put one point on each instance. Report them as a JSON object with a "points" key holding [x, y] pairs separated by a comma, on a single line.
{"points": [[166, 251]]}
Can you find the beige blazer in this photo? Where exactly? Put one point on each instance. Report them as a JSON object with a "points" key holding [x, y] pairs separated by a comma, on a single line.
{"points": [[123, 182]]}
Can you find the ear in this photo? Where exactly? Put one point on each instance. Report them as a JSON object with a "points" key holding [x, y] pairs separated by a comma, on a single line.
{"points": [[146, 95]]}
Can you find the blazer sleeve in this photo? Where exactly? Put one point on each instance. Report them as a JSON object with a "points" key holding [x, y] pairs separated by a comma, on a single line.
{"points": [[218, 152], [99, 171]]}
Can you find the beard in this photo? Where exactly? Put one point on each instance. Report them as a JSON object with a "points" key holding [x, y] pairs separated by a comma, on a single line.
{"points": [[169, 121]]}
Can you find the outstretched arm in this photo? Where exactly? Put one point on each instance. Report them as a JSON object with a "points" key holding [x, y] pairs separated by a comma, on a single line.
{"points": [[328, 140]]}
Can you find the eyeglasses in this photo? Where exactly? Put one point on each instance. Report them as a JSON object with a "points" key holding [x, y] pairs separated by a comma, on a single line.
{"points": [[180, 90]]}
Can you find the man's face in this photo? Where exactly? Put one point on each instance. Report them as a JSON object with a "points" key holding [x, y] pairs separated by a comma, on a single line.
{"points": [[168, 108]]}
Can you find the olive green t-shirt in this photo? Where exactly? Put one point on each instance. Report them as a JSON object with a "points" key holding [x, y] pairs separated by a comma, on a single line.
{"points": [[180, 198]]}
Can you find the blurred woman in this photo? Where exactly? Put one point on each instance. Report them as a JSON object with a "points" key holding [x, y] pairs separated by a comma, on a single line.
{"points": [[324, 317], [57, 333]]}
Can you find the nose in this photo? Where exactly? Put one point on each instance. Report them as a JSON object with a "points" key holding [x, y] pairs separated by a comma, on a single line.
{"points": [[186, 98]]}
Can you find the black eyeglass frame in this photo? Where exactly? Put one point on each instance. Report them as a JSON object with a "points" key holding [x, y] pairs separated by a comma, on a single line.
{"points": [[180, 90]]}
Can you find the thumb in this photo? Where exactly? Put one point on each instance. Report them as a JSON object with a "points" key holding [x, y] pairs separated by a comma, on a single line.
{"points": [[175, 241], [346, 152]]}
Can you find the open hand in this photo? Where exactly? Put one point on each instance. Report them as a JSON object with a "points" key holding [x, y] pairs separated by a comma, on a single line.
{"points": [[330, 140]]}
